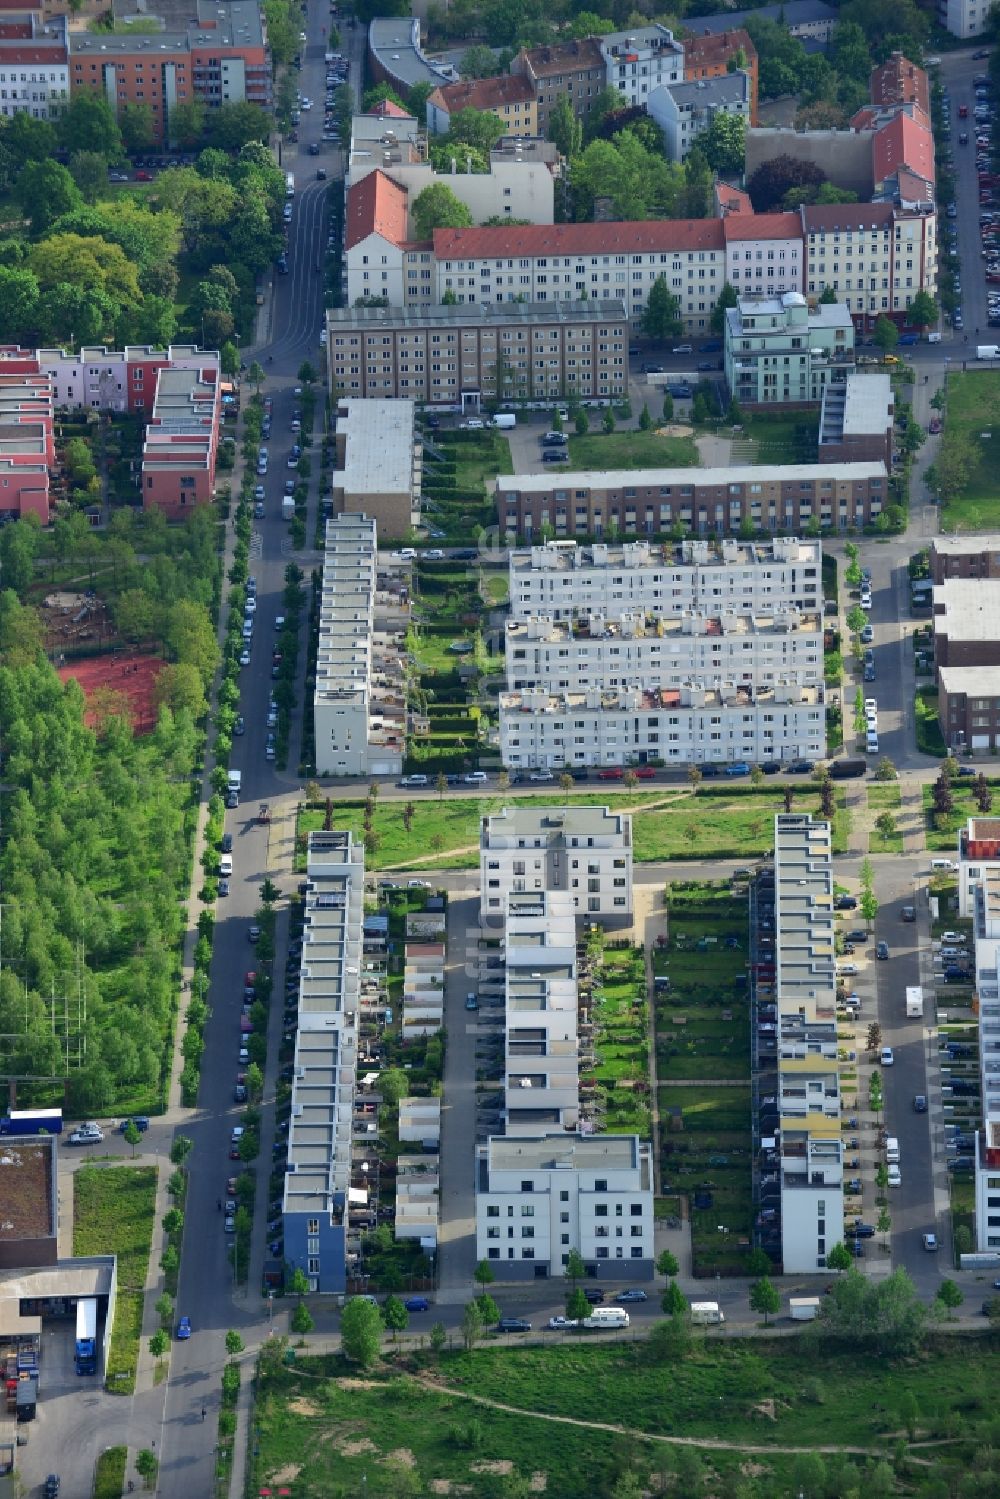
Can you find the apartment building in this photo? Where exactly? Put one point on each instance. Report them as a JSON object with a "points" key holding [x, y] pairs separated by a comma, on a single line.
{"points": [[510, 96], [646, 649], [467, 357], [581, 852], [34, 67], [899, 81], [684, 111], [969, 707], [964, 18], [537, 1199], [536, 263], [876, 257], [565, 580], [379, 459], [695, 723], [396, 57], [653, 502], [220, 57], [965, 556], [639, 61], [856, 420], [715, 54], [809, 20], [101, 379], [808, 1142], [979, 897], [324, 1072], [764, 254], [978, 860], [385, 138], [780, 353], [541, 1004], [572, 70], [967, 623], [359, 701], [181, 441]]}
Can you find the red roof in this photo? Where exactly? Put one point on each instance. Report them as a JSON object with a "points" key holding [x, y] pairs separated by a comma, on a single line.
{"points": [[739, 226], [902, 143], [375, 205], [503, 241], [822, 217], [485, 93], [566, 57], [900, 81], [388, 109], [714, 50], [731, 199]]}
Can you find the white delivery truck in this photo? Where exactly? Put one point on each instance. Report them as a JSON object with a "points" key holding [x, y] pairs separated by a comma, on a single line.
{"points": [[606, 1316], [803, 1308], [988, 351], [234, 783], [914, 1002], [288, 507], [289, 185], [706, 1313], [504, 420]]}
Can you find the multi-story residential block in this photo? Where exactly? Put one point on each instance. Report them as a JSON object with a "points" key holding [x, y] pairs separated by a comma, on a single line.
{"points": [[359, 701], [539, 264], [520, 183], [714, 54], [692, 724], [541, 1004], [652, 502], [318, 1175], [899, 81], [101, 379], [536, 1199], [808, 1140], [967, 623], [34, 66], [181, 442], [874, 256], [684, 111], [764, 255], [221, 57], [379, 463], [964, 18], [27, 437], [809, 20], [969, 707], [385, 138], [650, 650], [572, 70], [640, 61], [565, 580], [578, 851], [470, 355], [979, 860], [780, 352], [856, 420], [979, 898], [965, 556], [396, 57], [510, 96], [376, 222]]}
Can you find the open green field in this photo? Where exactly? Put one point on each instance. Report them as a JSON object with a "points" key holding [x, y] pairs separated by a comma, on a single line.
{"points": [[600, 450], [884, 796], [757, 1404], [113, 1210], [942, 838], [673, 823], [782, 439], [974, 409]]}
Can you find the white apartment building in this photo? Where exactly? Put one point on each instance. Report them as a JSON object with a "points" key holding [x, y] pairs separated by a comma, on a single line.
{"points": [[541, 1050], [875, 257], [359, 698], [640, 649], [34, 69], [964, 18], [694, 723], [685, 110], [536, 1199], [641, 60], [580, 851], [318, 1174], [565, 580], [764, 253], [810, 1144]]}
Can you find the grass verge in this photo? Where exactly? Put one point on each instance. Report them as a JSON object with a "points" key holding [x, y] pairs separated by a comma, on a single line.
{"points": [[942, 827], [109, 1476], [113, 1210], [930, 740]]}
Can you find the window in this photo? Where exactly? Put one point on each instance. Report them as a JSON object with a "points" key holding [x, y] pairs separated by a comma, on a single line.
{"points": [[312, 1226], [492, 1211]]}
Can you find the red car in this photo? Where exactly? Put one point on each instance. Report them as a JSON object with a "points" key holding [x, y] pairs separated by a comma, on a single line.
{"points": [[645, 773], [934, 425], [613, 773], [143, 176], [234, 1151]]}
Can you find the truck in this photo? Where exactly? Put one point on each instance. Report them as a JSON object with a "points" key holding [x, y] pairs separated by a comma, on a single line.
{"points": [[706, 1313], [914, 1002], [988, 351], [26, 1397], [234, 784], [288, 507], [504, 420], [289, 185], [846, 770], [32, 1122], [606, 1316], [86, 1335], [803, 1308]]}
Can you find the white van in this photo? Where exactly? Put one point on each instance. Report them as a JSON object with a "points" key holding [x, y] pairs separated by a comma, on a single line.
{"points": [[871, 743], [504, 420], [606, 1316], [706, 1313], [891, 1151], [226, 865], [943, 866]]}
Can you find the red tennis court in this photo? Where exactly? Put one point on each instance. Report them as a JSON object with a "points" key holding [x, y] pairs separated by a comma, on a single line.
{"points": [[107, 680]]}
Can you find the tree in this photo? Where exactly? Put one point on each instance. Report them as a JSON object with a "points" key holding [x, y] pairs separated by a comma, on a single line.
{"points": [[164, 1308], [44, 191], [764, 1298], [89, 171], [574, 1270], [159, 1343], [868, 906], [437, 207], [395, 1316], [483, 1274], [645, 420], [884, 1316], [885, 824], [132, 1136], [180, 1149], [724, 143], [147, 1466], [565, 130], [438, 1337], [232, 126], [883, 1222], [302, 1322], [577, 1305], [298, 1284], [856, 619], [608, 421], [673, 1300], [885, 334], [885, 770], [187, 122], [360, 1332], [768, 185], [488, 1309], [89, 124], [478, 62], [662, 316], [234, 1343], [670, 1340], [983, 793], [666, 1264], [135, 121], [922, 311], [949, 1294], [839, 1258], [668, 407], [472, 1325]]}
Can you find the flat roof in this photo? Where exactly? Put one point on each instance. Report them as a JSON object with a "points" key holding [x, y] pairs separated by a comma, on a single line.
{"points": [[581, 1152], [726, 89], [27, 1166], [868, 404], [974, 681], [965, 546], [90, 1275], [395, 42], [238, 23], [475, 315], [571, 822], [967, 608], [698, 552], [698, 478], [378, 452]]}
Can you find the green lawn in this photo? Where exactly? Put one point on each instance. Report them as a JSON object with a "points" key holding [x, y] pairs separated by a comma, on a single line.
{"points": [[113, 1210], [942, 838], [974, 409], [109, 1478], [885, 796], [930, 740], [609, 450], [622, 1054], [782, 439]]}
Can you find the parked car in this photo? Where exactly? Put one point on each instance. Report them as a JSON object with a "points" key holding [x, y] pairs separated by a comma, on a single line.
{"points": [[513, 1324], [417, 1304], [183, 1328]]}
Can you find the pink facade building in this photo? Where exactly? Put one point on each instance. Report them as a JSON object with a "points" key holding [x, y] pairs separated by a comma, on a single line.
{"points": [[182, 438]]}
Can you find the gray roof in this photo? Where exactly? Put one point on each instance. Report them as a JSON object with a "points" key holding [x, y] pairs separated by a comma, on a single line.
{"points": [[974, 681], [235, 24], [793, 13], [475, 314], [703, 478], [395, 43], [729, 88], [967, 609]]}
